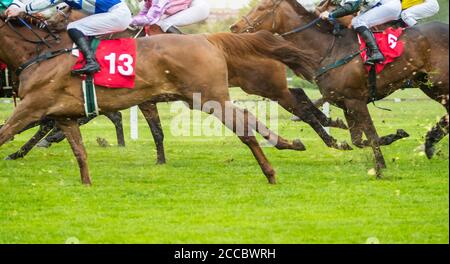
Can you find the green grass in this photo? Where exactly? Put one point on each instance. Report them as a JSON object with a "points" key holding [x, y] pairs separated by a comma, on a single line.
{"points": [[212, 190]]}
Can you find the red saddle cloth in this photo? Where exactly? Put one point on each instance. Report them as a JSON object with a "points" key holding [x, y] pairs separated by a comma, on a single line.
{"points": [[2, 66], [389, 44], [117, 59]]}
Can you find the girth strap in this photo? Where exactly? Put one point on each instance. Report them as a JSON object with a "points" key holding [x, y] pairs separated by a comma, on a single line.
{"points": [[338, 63]]}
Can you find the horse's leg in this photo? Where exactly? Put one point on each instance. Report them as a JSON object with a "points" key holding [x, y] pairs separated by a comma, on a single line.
{"points": [[439, 93], [307, 104], [44, 128], [358, 109], [116, 118], [150, 112], [356, 132], [71, 130], [304, 109], [246, 136]]}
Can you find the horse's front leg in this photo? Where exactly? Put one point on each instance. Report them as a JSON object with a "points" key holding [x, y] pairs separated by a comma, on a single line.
{"points": [[71, 130], [362, 119]]}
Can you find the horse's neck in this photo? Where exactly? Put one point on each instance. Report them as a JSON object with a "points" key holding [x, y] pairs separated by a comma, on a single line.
{"points": [[310, 39], [15, 51]]}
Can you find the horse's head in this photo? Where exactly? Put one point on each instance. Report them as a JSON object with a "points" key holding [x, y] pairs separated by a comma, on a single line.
{"points": [[279, 16], [272, 15]]}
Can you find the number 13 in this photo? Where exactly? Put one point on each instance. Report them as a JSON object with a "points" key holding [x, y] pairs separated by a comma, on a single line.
{"points": [[126, 69]]}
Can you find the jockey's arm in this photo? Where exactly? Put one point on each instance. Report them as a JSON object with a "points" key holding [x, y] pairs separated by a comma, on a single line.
{"points": [[36, 6], [349, 7]]}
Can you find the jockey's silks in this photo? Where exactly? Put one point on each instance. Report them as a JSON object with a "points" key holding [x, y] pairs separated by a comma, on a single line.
{"points": [[409, 3], [5, 3], [89, 6]]}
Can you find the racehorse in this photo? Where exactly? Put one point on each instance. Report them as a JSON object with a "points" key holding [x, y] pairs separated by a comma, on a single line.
{"points": [[424, 64], [241, 73], [163, 68]]}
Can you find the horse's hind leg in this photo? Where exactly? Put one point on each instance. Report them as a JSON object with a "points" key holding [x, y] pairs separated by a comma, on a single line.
{"points": [[72, 132], [150, 112], [302, 98], [24, 114], [116, 118], [44, 128]]}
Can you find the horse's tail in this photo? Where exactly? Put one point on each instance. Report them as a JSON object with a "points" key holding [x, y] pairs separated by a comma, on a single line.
{"points": [[262, 44]]}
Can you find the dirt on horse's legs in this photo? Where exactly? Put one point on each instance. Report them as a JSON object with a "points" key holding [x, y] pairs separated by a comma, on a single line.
{"points": [[358, 109], [71, 130]]}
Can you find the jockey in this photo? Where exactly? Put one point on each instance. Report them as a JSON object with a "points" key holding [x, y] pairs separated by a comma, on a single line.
{"points": [[373, 13], [106, 16], [170, 14], [414, 10]]}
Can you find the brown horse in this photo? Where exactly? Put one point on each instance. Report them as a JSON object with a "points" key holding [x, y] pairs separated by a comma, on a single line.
{"points": [[49, 91], [241, 73], [424, 63]]}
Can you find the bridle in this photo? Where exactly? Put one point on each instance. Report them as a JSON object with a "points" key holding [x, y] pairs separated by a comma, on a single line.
{"points": [[41, 24], [252, 25]]}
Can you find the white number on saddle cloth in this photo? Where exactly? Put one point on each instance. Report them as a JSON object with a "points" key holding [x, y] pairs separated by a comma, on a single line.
{"points": [[127, 61], [392, 40]]}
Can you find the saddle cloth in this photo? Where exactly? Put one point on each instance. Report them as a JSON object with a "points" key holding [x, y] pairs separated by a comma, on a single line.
{"points": [[2, 66], [389, 44], [117, 59]]}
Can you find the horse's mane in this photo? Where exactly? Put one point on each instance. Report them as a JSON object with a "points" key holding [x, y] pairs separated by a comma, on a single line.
{"points": [[308, 8], [262, 44]]}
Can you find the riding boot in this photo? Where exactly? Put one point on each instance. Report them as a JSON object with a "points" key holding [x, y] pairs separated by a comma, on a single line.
{"points": [[375, 54], [174, 30], [83, 45]]}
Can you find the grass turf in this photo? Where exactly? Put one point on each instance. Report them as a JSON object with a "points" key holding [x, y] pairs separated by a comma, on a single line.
{"points": [[212, 190]]}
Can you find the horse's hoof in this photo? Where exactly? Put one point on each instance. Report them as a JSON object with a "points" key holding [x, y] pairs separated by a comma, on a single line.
{"points": [[43, 144], [402, 133], [429, 151], [341, 124], [8, 158], [295, 119], [272, 180], [298, 145], [343, 146]]}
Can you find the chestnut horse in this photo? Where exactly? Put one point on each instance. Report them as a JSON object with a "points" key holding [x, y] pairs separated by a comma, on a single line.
{"points": [[49, 91], [424, 63], [241, 73]]}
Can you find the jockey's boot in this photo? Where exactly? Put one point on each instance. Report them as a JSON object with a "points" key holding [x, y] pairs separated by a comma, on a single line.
{"points": [[375, 54], [174, 30], [83, 45]]}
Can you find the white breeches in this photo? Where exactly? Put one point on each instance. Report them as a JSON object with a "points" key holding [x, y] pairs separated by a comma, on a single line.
{"points": [[427, 9], [197, 12], [388, 10], [116, 20]]}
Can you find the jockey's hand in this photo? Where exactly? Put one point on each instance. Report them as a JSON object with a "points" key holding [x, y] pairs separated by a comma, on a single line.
{"points": [[325, 15], [13, 11]]}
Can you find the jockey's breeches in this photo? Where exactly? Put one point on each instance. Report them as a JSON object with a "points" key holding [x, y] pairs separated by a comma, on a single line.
{"points": [[197, 12], [386, 11], [116, 19], [427, 9]]}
